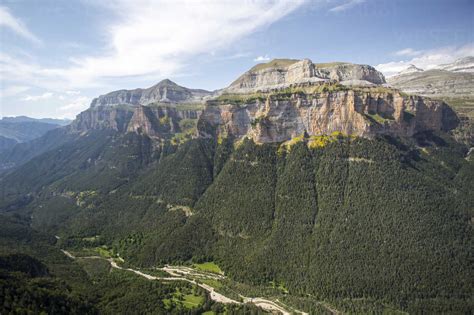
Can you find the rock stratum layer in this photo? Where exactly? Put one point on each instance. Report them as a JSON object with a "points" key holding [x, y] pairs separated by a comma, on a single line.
{"points": [[363, 113], [165, 91], [154, 121], [273, 102], [281, 73]]}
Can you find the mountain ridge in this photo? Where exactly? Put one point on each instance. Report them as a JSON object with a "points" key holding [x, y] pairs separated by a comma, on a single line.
{"points": [[165, 91]]}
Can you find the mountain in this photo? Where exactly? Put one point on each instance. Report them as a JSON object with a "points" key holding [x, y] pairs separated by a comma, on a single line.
{"points": [[281, 73], [452, 83], [435, 83], [319, 196], [15, 132], [6, 143], [324, 109], [165, 91], [410, 69], [465, 64], [23, 129], [52, 121]]}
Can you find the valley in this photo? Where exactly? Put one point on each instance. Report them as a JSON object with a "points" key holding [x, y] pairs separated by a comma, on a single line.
{"points": [[199, 278], [302, 188]]}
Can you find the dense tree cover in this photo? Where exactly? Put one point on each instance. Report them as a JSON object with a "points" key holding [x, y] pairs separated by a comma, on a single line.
{"points": [[59, 285], [366, 224]]}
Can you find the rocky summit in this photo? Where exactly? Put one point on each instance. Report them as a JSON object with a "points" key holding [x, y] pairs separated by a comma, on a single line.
{"points": [[273, 102], [448, 80], [281, 73], [165, 91]]}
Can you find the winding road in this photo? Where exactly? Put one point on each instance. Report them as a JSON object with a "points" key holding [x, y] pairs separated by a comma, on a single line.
{"points": [[178, 273]]}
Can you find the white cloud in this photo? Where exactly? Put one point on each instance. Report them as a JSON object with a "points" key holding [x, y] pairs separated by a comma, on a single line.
{"points": [[428, 59], [262, 58], [75, 106], [408, 52], [13, 90], [34, 98], [11, 22], [347, 5], [154, 38], [72, 92]]}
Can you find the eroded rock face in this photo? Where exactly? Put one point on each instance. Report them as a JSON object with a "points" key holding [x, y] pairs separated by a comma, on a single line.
{"points": [[156, 121], [358, 113], [281, 73], [165, 91]]}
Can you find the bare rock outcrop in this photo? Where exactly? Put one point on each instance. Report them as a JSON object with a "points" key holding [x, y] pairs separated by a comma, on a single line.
{"points": [[165, 91], [353, 112], [281, 73], [154, 121]]}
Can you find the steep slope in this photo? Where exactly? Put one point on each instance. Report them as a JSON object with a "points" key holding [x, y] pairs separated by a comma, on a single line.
{"points": [[354, 195], [6, 143], [453, 83], [21, 138], [323, 109], [165, 91], [435, 83], [23, 130], [465, 64], [53, 121], [23, 152], [355, 218], [281, 73]]}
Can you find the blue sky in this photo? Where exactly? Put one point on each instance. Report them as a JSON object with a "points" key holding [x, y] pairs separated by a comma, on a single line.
{"points": [[55, 56]]}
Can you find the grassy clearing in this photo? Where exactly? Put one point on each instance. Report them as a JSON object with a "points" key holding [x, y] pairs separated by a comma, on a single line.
{"points": [[104, 251], [185, 106], [188, 299], [329, 64], [209, 266], [192, 301], [275, 63]]}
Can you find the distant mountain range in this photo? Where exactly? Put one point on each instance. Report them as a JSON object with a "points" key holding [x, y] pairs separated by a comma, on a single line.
{"points": [[447, 80], [20, 129], [165, 91], [452, 83]]}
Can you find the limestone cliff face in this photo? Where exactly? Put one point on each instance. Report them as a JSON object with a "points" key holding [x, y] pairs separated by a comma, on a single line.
{"points": [[156, 121], [165, 91], [352, 112], [281, 73]]}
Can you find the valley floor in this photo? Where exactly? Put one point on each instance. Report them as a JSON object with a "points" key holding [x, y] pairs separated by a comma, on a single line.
{"points": [[194, 276]]}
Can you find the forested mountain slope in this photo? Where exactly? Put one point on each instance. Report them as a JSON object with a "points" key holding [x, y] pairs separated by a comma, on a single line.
{"points": [[370, 213]]}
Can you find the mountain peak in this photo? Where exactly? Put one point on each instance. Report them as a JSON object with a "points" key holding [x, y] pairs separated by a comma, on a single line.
{"points": [[465, 64], [281, 73], [165, 91], [411, 69], [165, 82]]}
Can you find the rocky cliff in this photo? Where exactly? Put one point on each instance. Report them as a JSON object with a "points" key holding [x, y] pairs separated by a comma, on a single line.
{"points": [[287, 98], [165, 91], [453, 83], [155, 121], [364, 112], [281, 73]]}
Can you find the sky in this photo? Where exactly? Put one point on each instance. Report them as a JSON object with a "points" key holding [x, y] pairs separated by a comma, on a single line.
{"points": [[57, 55]]}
